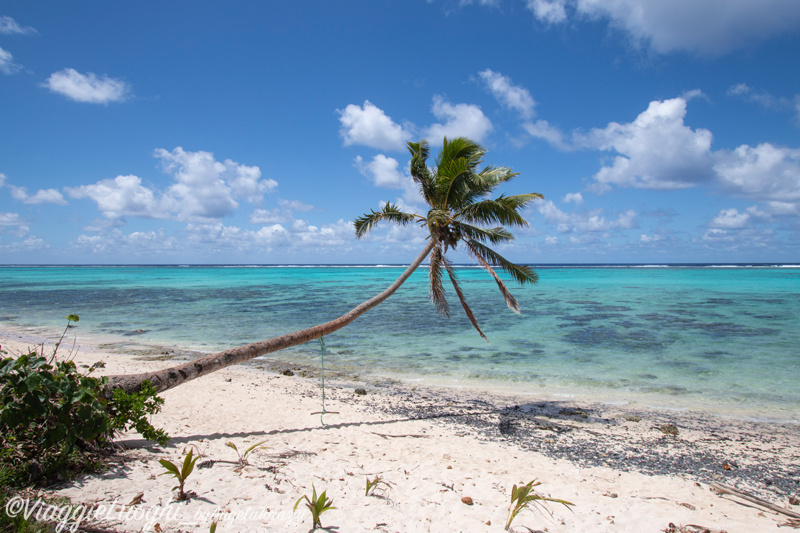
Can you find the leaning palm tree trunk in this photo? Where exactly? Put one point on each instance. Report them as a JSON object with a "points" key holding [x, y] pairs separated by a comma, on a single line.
{"points": [[177, 375]]}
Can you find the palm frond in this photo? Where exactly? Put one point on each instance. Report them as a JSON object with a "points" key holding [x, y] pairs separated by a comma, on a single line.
{"points": [[420, 172], [461, 148], [454, 280], [453, 179], [511, 302], [437, 260], [521, 273], [484, 182], [390, 213], [493, 235], [503, 210]]}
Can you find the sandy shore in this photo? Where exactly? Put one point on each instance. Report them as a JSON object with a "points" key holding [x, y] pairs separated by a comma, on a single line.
{"points": [[436, 449]]}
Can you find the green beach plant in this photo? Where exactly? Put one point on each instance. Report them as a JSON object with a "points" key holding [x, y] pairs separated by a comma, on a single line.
{"points": [[377, 485], [243, 455], [180, 472], [524, 497], [316, 505], [460, 214], [54, 419], [70, 319]]}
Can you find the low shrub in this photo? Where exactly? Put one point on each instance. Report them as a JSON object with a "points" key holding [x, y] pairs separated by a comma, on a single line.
{"points": [[54, 419]]}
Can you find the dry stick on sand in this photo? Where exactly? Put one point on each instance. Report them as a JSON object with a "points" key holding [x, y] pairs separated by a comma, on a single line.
{"points": [[726, 489]]}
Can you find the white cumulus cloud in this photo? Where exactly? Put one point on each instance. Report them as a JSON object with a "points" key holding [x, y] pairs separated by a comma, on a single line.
{"points": [[764, 172], [460, 120], [511, 96], [42, 196], [87, 87], [11, 223], [9, 26], [7, 64], [655, 151], [385, 172], [124, 196], [549, 11], [730, 219], [707, 27], [203, 188], [368, 125], [585, 222], [206, 188]]}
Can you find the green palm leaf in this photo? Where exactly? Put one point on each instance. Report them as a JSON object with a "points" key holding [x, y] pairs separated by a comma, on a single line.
{"points": [[437, 260], [503, 210], [493, 235], [521, 273], [454, 280], [390, 212]]}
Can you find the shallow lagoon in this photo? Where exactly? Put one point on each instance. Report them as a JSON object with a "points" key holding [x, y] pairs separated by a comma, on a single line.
{"points": [[724, 340]]}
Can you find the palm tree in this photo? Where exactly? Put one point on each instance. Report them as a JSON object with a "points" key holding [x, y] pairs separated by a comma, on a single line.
{"points": [[455, 190]]}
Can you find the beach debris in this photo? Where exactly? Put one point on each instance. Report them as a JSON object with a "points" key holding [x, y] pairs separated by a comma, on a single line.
{"points": [[286, 372], [611, 495], [139, 498], [507, 427], [412, 435], [691, 528], [727, 489], [361, 392], [574, 412], [668, 429], [466, 500], [794, 523], [632, 418], [688, 506], [794, 500]]}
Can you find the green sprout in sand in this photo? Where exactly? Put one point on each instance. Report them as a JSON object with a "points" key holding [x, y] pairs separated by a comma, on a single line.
{"points": [[243, 455], [180, 473], [377, 487], [316, 504], [524, 496]]}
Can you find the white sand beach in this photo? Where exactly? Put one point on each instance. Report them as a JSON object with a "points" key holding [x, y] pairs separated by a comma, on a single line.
{"points": [[436, 449]]}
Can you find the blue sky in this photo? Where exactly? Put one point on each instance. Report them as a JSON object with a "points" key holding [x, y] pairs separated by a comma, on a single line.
{"points": [[255, 132]]}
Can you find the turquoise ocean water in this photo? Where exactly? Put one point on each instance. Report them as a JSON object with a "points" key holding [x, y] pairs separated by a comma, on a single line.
{"points": [[722, 339]]}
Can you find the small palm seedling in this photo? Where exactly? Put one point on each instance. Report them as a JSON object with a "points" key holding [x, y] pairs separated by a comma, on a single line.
{"points": [[180, 473], [377, 486], [316, 504], [524, 496], [243, 456]]}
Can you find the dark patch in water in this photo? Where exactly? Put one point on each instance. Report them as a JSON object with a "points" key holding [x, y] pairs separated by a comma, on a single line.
{"points": [[581, 320], [725, 329], [635, 341], [720, 301], [716, 354], [672, 390], [135, 332]]}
